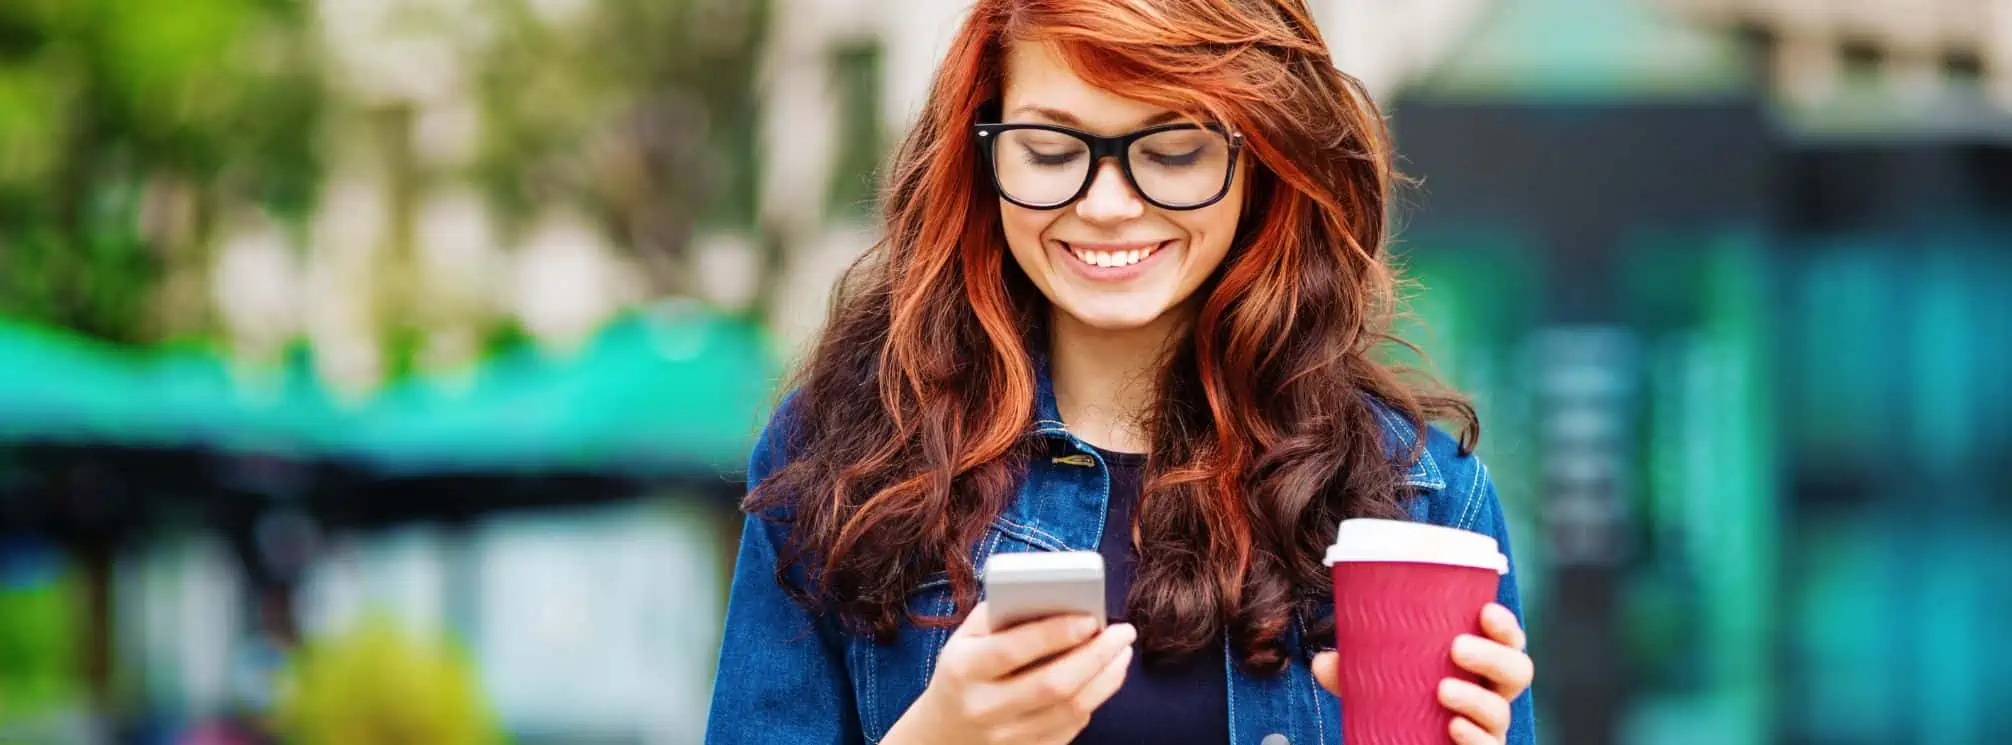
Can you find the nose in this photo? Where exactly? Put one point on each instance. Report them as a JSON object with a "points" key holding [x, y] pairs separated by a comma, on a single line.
{"points": [[1110, 198]]}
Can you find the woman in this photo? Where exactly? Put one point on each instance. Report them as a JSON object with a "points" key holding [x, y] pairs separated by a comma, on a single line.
{"points": [[1130, 299]]}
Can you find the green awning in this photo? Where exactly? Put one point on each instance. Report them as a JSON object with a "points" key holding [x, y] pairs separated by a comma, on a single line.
{"points": [[651, 394], [59, 387]]}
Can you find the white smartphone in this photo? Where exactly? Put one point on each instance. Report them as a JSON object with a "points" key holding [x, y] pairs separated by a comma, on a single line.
{"points": [[1028, 586]]}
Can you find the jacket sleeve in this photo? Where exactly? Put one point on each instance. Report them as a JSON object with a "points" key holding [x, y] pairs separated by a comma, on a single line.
{"points": [[782, 675], [1486, 507]]}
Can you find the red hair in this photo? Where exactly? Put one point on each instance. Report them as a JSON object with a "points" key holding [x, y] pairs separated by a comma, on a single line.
{"points": [[910, 420]]}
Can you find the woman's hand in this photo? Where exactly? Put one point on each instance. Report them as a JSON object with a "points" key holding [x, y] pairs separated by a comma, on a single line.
{"points": [[1481, 712], [1037, 682]]}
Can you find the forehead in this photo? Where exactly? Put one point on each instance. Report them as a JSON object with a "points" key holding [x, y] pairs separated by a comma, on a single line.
{"points": [[1037, 76]]}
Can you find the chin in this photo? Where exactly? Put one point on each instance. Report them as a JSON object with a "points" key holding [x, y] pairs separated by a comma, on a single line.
{"points": [[1113, 319]]}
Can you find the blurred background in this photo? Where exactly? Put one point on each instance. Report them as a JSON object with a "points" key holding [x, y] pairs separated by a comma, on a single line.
{"points": [[382, 371]]}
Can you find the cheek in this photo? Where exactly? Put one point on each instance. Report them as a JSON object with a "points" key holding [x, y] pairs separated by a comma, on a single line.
{"points": [[1024, 229], [1211, 229]]}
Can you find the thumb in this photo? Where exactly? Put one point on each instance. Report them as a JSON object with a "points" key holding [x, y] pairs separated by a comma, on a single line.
{"points": [[1326, 671], [979, 623]]}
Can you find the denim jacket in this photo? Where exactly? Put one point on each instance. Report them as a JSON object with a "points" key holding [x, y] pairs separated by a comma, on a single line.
{"points": [[790, 676]]}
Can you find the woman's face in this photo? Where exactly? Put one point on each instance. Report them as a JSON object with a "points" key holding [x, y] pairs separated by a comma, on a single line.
{"points": [[1110, 260]]}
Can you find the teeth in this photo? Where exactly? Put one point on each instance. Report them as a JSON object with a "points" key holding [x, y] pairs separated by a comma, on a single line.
{"points": [[1108, 259]]}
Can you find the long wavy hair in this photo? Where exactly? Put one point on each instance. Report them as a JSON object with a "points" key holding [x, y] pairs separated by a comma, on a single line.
{"points": [[910, 421]]}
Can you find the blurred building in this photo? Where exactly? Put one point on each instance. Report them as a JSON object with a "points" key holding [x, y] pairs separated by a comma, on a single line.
{"points": [[1817, 50]]}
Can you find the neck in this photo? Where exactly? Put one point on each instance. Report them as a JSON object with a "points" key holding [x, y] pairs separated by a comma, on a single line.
{"points": [[1105, 381]]}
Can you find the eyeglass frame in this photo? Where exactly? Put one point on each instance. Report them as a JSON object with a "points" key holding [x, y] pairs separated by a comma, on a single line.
{"points": [[1105, 147]]}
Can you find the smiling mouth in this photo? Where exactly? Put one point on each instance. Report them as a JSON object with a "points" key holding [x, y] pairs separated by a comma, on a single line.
{"points": [[1113, 257]]}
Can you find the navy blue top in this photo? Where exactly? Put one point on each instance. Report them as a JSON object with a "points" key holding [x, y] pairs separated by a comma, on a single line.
{"points": [[1176, 702]]}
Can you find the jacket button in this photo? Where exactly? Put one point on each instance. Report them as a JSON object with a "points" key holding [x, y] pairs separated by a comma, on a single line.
{"points": [[1275, 739]]}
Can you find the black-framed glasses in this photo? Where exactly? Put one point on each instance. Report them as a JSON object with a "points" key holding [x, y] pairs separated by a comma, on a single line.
{"points": [[1181, 166]]}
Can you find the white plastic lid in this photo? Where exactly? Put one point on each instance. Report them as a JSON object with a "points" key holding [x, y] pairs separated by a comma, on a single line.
{"points": [[1365, 539]]}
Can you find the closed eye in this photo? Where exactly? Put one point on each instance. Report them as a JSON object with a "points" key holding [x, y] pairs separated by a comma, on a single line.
{"points": [[1037, 158], [1176, 160]]}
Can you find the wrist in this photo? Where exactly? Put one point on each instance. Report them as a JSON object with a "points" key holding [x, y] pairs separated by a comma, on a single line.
{"points": [[913, 726]]}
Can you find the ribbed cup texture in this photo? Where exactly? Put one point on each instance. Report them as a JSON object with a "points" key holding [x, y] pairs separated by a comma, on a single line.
{"points": [[1395, 623]]}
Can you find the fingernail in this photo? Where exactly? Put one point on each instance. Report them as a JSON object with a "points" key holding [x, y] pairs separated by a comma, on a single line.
{"points": [[1127, 631], [1466, 648], [1085, 627]]}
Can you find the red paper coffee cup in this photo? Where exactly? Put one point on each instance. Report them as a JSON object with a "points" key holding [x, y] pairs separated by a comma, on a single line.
{"points": [[1402, 593]]}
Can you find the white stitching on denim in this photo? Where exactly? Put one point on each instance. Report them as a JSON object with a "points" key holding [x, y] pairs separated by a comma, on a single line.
{"points": [[1473, 495], [1060, 545], [1033, 535], [938, 639], [1396, 425], [870, 718], [1319, 716], [991, 546], [879, 725], [1230, 670], [1425, 482], [1408, 436], [941, 636], [1430, 466], [1430, 479], [1313, 693]]}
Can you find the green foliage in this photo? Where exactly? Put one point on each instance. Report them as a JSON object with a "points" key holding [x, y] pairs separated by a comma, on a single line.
{"points": [[649, 124], [29, 136], [99, 100], [378, 685], [94, 279], [860, 146], [39, 644], [133, 131]]}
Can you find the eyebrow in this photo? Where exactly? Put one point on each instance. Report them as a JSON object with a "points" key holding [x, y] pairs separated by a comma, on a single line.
{"points": [[1065, 118]]}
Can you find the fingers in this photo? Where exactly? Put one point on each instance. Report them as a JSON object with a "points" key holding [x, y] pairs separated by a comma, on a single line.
{"points": [[1466, 732], [979, 623], [1502, 626], [1106, 683], [1507, 670], [1000, 654], [1327, 671], [1041, 715], [1066, 676], [1484, 707], [1062, 722]]}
